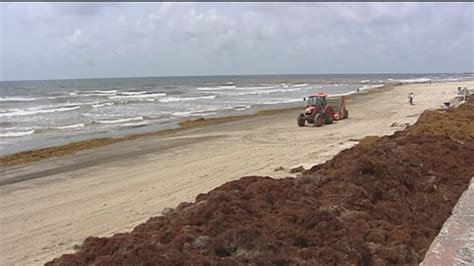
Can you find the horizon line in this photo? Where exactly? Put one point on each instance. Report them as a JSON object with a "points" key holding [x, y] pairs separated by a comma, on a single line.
{"points": [[229, 75]]}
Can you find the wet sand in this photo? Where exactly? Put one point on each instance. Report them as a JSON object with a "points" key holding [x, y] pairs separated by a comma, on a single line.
{"points": [[62, 200]]}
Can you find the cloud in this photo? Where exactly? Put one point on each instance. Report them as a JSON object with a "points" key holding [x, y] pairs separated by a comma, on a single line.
{"points": [[81, 9], [238, 38], [76, 36]]}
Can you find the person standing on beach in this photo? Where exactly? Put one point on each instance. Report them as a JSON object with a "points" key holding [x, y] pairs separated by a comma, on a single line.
{"points": [[410, 98]]}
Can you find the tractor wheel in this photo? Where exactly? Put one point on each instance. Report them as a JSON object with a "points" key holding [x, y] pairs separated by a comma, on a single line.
{"points": [[318, 120], [346, 114], [301, 120], [329, 115]]}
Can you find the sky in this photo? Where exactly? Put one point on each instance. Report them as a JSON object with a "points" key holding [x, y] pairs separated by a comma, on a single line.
{"points": [[91, 40]]}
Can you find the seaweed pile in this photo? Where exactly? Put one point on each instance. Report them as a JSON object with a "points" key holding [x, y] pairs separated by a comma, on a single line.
{"points": [[381, 202]]}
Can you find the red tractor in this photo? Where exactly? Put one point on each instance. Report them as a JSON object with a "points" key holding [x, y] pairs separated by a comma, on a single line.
{"points": [[317, 111]]}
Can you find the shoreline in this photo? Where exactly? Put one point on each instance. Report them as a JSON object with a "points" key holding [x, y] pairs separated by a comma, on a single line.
{"points": [[34, 155]]}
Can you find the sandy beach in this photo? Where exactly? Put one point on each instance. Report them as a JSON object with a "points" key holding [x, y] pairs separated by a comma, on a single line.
{"points": [[110, 189]]}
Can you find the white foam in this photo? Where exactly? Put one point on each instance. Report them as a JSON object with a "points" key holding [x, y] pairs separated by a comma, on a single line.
{"points": [[102, 105], [341, 94], [75, 104], [122, 120], [260, 92], [300, 85], [193, 113], [17, 99], [187, 113], [75, 126], [19, 112], [58, 97], [227, 87], [13, 134], [418, 80], [242, 108], [150, 95], [178, 99], [224, 88], [369, 87], [204, 114], [106, 92], [133, 92], [214, 88], [256, 88], [139, 124]]}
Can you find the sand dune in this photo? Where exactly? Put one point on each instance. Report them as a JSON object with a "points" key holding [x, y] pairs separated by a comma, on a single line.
{"points": [[125, 183]]}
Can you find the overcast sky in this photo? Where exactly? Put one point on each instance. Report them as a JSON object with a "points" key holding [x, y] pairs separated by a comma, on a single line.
{"points": [[82, 40]]}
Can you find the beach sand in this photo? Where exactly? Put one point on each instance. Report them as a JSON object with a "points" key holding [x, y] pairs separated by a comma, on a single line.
{"points": [[113, 188]]}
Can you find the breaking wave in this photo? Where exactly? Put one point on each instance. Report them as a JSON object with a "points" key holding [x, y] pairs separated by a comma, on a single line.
{"points": [[242, 108], [418, 80], [223, 88], [19, 112], [133, 92], [262, 92], [341, 94], [122, 120], [101, 105], [193, 113], [14, 134], [139, 124], [17, 99], [149, 95], [300, 85], [75, 126], [369, 87], [178, 99], [215, 88], [106, 91]]}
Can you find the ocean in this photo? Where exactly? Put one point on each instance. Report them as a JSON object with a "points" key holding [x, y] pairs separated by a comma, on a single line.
{"points": [[37, 114]]}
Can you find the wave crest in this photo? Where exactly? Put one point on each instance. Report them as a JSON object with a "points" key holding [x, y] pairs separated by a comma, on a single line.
{"points": [[17, 99], [20, 112], [134, 96], [122, 120], [178, 99], [74, 126], [14, 134]]}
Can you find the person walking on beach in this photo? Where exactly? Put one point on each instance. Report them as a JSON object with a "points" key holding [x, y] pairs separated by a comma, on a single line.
{"points": [[410, 98]]}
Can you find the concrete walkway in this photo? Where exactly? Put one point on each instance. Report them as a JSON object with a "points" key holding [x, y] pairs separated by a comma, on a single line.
{"points": [[455, 243]]}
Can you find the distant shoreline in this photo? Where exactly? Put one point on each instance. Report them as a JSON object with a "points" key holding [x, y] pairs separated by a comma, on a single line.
{"points": [[233, 75]]}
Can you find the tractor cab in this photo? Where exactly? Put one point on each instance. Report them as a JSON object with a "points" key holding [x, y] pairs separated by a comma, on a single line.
{"points": [[316, 99], [315, 103]]}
